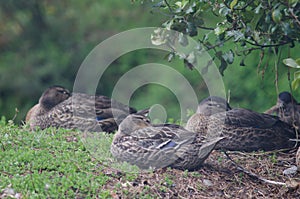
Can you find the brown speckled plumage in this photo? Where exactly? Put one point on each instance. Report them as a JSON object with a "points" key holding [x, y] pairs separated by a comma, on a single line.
{"points": [[156, 146], [287, 109], [244, 130], [49, 99], [81, 111], [298, 159]]}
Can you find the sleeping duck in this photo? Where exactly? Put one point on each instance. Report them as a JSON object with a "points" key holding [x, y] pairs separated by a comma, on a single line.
{"points": [[141, 143], [58, 108], [243, 129]]}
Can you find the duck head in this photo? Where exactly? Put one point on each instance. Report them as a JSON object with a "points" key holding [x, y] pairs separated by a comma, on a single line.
{"points": [[285, 98], [53, 96], [212, 105], [133, 122]]}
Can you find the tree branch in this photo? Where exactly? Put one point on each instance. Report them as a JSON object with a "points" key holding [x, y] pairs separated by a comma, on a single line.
{"points": [[267, 46], [294, 16]]}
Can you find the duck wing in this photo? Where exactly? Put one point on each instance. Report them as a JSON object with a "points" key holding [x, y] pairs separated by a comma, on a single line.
{"points": [[152, 147], [247, 118], [100, 106]]}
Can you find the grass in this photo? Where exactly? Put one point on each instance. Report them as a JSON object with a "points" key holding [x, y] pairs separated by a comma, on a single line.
{"points": [[59, 163], [50, 163]]}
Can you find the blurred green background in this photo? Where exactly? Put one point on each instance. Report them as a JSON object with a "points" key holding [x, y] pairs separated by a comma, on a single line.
{"points": [[43, 43]]}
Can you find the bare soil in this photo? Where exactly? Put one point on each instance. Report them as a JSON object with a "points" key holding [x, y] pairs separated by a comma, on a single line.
{"points": [[218, 178]]}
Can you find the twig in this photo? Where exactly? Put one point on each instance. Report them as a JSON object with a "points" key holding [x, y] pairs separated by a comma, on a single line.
{"points": [[249, 173], [168, 5], [268, 45], [205, 28], [294, 16]]}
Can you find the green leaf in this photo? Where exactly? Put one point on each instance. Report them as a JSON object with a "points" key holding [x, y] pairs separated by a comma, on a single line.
{"points": [[291, 63], [296, 81], [191, 58], [224, 11], [191, 29], [297, 75], [229, 57], [242, 62], [258, 8], [183, 40], [220, 29], [161, 36], [293, 1], [232, 4], [295, 84], [182, 4], [276, 16], [236, 34]]}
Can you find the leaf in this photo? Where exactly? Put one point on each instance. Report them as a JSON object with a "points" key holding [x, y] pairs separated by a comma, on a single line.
{"points": [[276, 16], [181, 4], [183, 40], [191, 29], [236, 34], [293, 1], [191, 58], [223, 66], [204, 70], [296, 81], [178, 3], [242, 63], [295, 84], [219, 30], [291, 63], [297, 75], [159, 37], [232, 4], [258, 8], [160, 4], [224, 11], [191, 9], [229, 57], [170, 56]]}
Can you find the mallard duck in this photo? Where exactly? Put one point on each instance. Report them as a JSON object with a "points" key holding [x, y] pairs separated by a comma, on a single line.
{"points": [[243, 129], [49, 99], [287, 109], [77, 111], [139, 142]]}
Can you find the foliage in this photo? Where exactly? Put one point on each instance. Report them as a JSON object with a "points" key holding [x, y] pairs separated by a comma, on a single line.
{"points": [[43, 43], [264, 26], [294, 64]]}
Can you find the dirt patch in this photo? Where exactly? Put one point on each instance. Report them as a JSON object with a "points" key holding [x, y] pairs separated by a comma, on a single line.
{"points": [[218, 178]]}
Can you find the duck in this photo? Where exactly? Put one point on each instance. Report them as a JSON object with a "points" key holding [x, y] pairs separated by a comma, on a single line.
{"points": [[243, 129], [154, 146], [287, 109], [51, 97], [58, 107]]}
